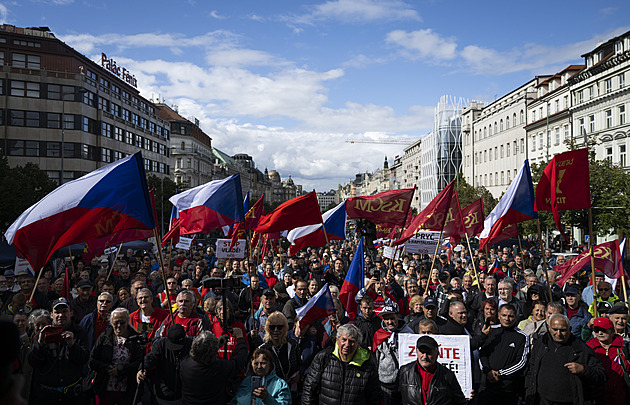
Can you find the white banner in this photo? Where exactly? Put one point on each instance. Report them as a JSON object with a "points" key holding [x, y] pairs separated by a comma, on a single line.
{"points": [[454, 353], [184, 243], [21, 266], [388, 252], [422, 242], [224, 252], [110, 250]]}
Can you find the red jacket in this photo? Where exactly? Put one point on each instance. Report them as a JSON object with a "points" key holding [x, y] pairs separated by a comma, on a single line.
{"points": [[614, 391]]}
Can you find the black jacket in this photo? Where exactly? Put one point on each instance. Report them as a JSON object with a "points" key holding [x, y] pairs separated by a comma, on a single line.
{"points": [[102, 356], [164, 362], [505, 351], [453, 328], [444, 389], [331, 381], [593, 374], [290, 307], [368, 328]]}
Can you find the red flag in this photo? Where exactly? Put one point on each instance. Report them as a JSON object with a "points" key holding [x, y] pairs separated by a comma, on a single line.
{"points": [[173, 234], [389, 207], [236, 233], [382, 230], [298, 211], [564, 185], [473, 221], [607, 259], [65, 291], [255, 213], [433, 216], [453, 224]]}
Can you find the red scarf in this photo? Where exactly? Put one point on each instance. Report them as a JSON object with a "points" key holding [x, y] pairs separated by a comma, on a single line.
{"points": [[426, 376]]}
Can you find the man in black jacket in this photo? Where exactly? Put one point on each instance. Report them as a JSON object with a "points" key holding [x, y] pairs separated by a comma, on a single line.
{"points": [[367, 321], [427, 382], [503, 358], [561, 367]]}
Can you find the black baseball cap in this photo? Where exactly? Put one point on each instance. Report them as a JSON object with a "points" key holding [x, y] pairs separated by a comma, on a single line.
{"points": [[571, 290], [269, 292], [176, 337], [426, 342]]}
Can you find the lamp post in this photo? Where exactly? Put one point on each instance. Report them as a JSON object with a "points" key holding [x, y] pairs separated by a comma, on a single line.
{"points": [[63, 124]]}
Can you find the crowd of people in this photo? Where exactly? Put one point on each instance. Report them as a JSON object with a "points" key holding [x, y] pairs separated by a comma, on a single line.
{"points": [[217, 331]]}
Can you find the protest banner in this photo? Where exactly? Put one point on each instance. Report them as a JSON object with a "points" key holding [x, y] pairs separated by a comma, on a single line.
{"points": [[388, 252], [422, 242], [22, 265], [184, 243], [454, 353], [224, 251]]}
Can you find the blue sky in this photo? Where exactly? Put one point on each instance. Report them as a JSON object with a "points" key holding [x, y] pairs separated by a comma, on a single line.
{"points": [[289, 81]]}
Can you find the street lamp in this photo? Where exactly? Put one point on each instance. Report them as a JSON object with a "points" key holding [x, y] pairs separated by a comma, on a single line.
{"points": [[63, 124]]}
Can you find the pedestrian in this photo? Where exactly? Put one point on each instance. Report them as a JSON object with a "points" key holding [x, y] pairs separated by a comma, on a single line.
{"points": [[285, 350], [272, 389]]}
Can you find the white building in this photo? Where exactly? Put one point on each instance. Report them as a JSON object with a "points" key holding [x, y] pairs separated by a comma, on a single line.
{"points": [[409, 172]]}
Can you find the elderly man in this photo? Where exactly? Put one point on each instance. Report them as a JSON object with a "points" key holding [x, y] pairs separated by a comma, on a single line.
{"points": [[147, 318], [96, 322], [530, 280], [619, 317], [576, 310], [26, 282], [561, 365], [606, 293], [344, 374], [489, 292], [84, 303], [58, 361], [185, 315], [503, 357], [588, 293], [427, 382], [505, 289]]}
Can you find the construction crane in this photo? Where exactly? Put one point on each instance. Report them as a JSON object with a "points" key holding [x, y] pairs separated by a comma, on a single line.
{"points": [[381, 142]]}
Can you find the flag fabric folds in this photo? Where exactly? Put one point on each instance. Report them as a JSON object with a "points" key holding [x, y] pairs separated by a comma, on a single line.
{"points": [[319, 306], [313, 235], [353, 282], [432, 217], [252, 218], [473, 221], [564, 185], [298, 211], [607, 260], [110, 199], [516, 205], [211, 205], [385, 207]]}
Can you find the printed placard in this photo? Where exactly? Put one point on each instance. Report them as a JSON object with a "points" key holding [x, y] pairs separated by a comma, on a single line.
{"points": [[423, 242], [184, 243], [224, 252]]}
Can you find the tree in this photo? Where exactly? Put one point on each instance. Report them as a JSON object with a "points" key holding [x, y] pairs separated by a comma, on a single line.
{"points": [[22, 186], [162, 205], [468, 194], [330, 206]]}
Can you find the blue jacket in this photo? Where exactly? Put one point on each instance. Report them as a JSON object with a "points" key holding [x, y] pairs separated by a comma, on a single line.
{"points": [[87, 323], [578, 321], [279, 393]]}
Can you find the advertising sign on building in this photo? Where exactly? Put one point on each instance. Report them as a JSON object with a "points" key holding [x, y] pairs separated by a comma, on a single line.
{"points": [[423, 242], [224, 252]]}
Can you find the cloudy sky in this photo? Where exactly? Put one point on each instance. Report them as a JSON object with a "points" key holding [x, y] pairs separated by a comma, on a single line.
{"points": [[289, 81]]}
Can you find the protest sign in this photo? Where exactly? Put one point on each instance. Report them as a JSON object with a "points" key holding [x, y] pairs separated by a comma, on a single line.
{"points": [[184, 243], [388, 252], [423, 242], [22, 266], [224, 252], [454, 353]]}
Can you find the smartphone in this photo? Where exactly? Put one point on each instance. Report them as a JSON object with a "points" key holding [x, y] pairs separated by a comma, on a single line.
{"points": [[257, 382], [52, 334]]}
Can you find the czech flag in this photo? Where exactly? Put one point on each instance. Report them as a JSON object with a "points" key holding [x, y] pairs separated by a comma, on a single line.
{"points": [[320, 306], [516, 205], [353, 282], [496, 266], [211, 205], [313, 235], [108, 200]]}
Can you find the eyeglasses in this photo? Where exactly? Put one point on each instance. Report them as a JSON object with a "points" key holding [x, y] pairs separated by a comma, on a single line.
{"points": [[598, 330], [276, 327], [104, 301]]}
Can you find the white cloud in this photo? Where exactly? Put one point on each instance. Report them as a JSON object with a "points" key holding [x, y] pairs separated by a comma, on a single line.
{"points": [[215, 14], [356, 11], [256, 17], [424, 44], [4, 14], [242, 57]]}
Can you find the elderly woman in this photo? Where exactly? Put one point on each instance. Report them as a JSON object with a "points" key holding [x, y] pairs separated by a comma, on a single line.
{"points": [[537, 314], [415, 312], [205, 377], [285, 350], [115, 359], [609, 349], [230, 325], [272, 389]]}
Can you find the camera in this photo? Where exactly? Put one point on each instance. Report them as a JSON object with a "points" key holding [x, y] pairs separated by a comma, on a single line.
{"points": [[141, 339], [224, 283], [376, 274], [52, 334]]}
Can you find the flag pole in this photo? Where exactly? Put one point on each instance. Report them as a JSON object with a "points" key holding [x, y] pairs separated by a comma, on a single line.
{"points": [[520, 247], [114, 261], [71, 262], [36, 282], [436, 252], [156, 233], [623, 287], [472, 258], [592, 254], [540, 243]]}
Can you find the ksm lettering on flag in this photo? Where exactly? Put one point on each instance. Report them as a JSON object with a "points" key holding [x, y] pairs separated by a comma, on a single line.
{"points": [[108, 200], [607, 260], [386, 207], [473, 221], [564, 185]]}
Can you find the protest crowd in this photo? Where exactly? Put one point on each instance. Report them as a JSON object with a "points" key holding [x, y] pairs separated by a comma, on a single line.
{"points": [[343, 319]]}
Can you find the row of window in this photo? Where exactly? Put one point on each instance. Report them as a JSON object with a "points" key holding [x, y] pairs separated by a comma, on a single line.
{"points": [[38, 119], [499, 152], [23, 60], [489, 179], [73, 150], [623, 160], [499, 126], [608, 118], [601, 88]]}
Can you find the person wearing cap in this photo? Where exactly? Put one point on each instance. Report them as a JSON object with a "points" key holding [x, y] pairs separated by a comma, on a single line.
{"points": [[576, 310], [426, 381], [385, 347], [35, 298], [85, 302], [430, 311], [605, 294], [256, 323], [58, 366], [561, 369], [619, 317], [588, 293], [613, 354], [345, 373]]}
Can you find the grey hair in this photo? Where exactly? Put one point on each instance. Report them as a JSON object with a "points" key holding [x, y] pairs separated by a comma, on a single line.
{"points": [[111, 297], [557, 306], [144, 290], [190, 294], [37, 314], [561, 317], [506, 283], [204, 348], [350, 330], [119, 310]]}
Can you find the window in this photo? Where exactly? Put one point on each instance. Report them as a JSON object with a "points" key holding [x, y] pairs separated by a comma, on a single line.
{"points": [[502, 177], [522, 117], [53, 120], [115, 110], [508, 176], [580, 96], [566, 132], [502, 151], [16, 148], [533, 143], [106, 130], [139, 141], [485, 132], [581, 125], [128, 138], [134, 119], [522, 145], [622, 80], [104, 82], [507, 122], [53, 149], [501, 125], [608, 116], [622, 114], [540, 141], [565, 102], [609, 154], [118, 134], [618, 47], [188, 163], [26, 61], [17, 118], [103, 104], [89, 98], [106, 155], [533, 115], [115, 89], [622, 156], [591, 92], [490, 157], [178, 163], [591, 123], [68, 121], [183, 145], [608, 85], [557, 136], [490, 178], [485, 156], [86, 124], [496, 152], [126, 114], [24, 89], [514, 119], [91, 75], [1, 57], [31, 148]]}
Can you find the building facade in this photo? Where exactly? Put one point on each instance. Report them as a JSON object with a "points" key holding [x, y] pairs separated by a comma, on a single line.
{"points": [[411, 163], [69, 114]]}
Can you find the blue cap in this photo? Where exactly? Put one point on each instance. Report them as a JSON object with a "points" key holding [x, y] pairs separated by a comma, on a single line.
{"points": [[430, 302]]}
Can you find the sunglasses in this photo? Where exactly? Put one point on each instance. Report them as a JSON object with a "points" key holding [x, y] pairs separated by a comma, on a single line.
{"points": [[598, 330], [604, 289], [276, 327], [104, 301]]}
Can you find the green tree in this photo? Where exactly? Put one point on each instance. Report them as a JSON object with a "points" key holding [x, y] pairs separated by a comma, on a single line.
{"points": [[162, 205], [22, 186], [468, 194]]}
